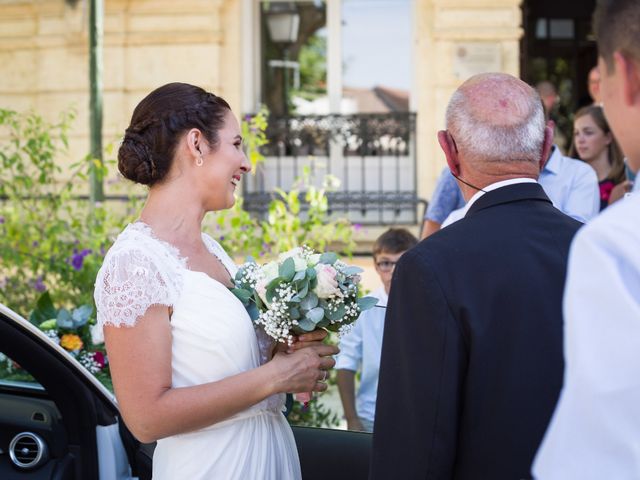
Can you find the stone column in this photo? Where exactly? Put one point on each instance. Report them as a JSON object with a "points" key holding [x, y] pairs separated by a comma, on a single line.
{"points": [[456, 38]]}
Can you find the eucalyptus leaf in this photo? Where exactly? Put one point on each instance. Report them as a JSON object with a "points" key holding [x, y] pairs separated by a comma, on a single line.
{"points": [[307, 325], [242, 294], [337, 314], [349, 271], [294, 313], [328, 258], [315, 314], [324, 323], [365, 303], [287, 270], [253, 312], [309, 302], [302, 292], [311, 273], [299, 275]]}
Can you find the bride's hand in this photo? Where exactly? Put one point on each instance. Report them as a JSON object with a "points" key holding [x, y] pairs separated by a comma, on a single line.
{"points": [[304, 370], [305, 340]]}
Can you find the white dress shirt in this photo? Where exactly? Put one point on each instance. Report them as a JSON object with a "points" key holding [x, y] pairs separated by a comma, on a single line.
{"points": [[461, 212], [570, 184], [360, 349], [595, 430]]}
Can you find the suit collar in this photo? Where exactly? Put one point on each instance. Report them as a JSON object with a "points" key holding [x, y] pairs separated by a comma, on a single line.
{"points": [[508, 194]]}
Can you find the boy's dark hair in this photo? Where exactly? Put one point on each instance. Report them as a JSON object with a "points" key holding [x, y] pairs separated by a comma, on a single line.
{"points": [[394, 240], [616, 24]]}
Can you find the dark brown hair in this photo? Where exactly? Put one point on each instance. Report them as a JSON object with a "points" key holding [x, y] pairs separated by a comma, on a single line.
{"points": [[394, 240], [150, 141], [616, 158], [616, 24]]}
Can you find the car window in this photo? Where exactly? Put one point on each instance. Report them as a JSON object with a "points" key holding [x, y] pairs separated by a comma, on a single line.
{"points": [[11, 372]]}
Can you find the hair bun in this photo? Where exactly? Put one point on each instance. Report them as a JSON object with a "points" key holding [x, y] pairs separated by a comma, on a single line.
{"points": [[135, 161]]}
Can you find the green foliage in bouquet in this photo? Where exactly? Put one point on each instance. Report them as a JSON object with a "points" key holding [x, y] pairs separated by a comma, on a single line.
{"points": [[301, 292]]}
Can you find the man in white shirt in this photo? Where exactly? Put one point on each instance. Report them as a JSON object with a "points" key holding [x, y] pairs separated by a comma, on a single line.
{"points": [[360, 349], [595, 431], [571, 185]]}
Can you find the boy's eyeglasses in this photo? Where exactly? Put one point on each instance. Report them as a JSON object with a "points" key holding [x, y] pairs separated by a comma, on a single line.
{"points": [[386, 265]]}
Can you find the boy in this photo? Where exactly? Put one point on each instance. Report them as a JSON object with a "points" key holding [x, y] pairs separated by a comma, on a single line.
{"points": [[360, 349]]}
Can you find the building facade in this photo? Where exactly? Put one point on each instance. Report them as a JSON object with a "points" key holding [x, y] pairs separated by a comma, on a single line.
{"points": [[224, 46]]}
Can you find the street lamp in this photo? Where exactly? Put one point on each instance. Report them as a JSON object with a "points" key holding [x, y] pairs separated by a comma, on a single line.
{"points": [[283, 21]]}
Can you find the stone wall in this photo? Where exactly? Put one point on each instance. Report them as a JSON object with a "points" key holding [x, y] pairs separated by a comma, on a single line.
{"points": [[44, 56]]}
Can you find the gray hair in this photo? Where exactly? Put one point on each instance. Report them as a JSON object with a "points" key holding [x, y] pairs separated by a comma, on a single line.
{"points": [[485, 141]]}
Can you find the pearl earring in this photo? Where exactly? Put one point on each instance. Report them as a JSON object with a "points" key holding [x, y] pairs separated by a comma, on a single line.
{"points": [[199, 161]]}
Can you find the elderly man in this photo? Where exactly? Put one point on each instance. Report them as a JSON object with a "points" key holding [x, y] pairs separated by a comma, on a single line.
{"points": [[595, 432], [472, 350]]}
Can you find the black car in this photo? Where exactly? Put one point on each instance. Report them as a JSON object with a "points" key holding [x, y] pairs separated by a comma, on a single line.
{"points": [[66, 425]]}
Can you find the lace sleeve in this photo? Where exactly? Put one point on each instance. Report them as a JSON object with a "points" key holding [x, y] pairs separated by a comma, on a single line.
{"points": [[129, 282]]}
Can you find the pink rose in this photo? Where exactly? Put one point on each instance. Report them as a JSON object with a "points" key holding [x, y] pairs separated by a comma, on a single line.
{"points": [[327, 283]]}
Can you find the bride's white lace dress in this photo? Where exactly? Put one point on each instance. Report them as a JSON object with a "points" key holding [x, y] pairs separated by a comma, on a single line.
{"points": [[212, 338]]}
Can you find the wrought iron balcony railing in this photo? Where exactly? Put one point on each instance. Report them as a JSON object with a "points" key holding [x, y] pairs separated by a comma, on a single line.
{"points": [[372, 155]]}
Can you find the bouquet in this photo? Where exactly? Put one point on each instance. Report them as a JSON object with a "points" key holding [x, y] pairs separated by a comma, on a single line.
{"points": [[300, 292]]}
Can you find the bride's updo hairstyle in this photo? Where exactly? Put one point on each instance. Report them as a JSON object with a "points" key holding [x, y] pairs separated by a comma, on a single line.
{"points": [[157, 124]]}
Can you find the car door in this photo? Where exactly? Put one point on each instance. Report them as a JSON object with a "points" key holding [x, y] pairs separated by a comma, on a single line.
{"points": [[84, 434], [58, 414]]}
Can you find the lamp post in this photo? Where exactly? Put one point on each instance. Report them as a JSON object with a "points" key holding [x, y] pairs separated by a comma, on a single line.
{"points": [[283, 21]]}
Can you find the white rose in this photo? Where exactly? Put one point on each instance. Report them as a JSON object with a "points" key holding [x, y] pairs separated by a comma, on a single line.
{"points": [[313, 260], [327, 284], [97, 335], [296, 255], [270, 271]]}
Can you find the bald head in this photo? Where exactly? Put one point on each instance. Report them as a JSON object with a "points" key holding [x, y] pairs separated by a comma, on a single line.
{"points": [[495, 117]]}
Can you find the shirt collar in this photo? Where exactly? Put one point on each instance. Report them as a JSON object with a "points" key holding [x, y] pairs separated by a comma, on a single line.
{"points": [[553, 163], [494, 186]]}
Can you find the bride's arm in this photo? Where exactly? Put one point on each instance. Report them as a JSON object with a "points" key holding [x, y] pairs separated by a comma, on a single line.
{"points": [[140, 363]]}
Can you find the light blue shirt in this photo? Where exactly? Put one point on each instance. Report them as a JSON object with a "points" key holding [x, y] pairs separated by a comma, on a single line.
{"points": [[446, 198], [360, 349], [571, 185]]}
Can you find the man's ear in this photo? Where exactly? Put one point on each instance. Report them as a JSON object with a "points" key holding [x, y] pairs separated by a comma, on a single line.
{"points": [[630, 78], [450, 150], [547, 143]]}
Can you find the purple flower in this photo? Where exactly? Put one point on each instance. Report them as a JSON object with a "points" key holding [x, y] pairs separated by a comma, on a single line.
{"points": [[39, 285], [35, 243], [357, 227], [222, 238], [1, 220], [77, 260]]}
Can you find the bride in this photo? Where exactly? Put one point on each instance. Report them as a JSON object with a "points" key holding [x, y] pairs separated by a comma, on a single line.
{"points": [[189, 370]]}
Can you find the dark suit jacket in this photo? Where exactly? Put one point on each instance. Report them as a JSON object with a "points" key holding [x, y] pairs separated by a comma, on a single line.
{"points": [[472, 354]]}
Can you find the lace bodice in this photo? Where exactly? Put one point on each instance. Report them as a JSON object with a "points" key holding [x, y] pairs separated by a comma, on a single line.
{"points": [[139, 271]]}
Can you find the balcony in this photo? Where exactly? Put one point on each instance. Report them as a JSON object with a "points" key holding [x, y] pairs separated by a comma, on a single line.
{"points": [[372, 155]]}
